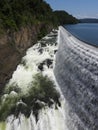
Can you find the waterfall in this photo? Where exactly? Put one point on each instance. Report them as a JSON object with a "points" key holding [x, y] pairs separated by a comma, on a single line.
{"points": [[38, 59], [49, 119], [76, 72]]}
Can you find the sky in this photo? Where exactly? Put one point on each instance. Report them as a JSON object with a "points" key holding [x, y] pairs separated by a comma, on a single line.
{"points": [[77, 8]]}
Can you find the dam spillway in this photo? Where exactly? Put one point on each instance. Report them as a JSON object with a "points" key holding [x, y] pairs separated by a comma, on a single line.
{"points": [[76, 71], [39, 59]]}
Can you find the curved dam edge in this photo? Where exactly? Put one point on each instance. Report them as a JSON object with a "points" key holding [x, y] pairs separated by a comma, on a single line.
{"points": [[80, 39], [76, 72], [85, 43]]}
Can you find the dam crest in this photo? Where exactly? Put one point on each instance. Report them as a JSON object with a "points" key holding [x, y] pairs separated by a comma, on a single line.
{"points": [[76, 71]]}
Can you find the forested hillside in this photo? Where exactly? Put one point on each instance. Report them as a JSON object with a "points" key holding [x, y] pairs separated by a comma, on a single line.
{"points": [[22, 23], [64, 18], [17, 13]]}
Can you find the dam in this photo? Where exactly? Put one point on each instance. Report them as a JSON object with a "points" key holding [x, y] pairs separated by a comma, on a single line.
{"points": [[76, 71], [39, 59]]}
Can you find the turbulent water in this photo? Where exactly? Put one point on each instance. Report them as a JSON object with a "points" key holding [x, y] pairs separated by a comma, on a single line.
{"points": [[39, 58], [49, 119], [76, 72]]}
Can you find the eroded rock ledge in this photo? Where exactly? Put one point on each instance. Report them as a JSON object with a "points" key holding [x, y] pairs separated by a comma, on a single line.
{"points": [[13, 46]]}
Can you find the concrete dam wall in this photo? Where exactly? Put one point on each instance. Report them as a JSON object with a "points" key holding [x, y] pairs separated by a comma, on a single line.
{"points": [[76, 71]]}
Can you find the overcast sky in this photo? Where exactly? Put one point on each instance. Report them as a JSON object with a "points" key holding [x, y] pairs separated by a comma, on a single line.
{"points": [[78, 8]]}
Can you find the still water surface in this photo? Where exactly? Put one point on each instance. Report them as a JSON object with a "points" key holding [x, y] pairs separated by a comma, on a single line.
{"points": [[87, 32]]}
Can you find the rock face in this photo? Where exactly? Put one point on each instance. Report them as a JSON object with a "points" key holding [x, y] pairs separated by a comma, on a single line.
{"points": [[13, 46], [76, 71]]}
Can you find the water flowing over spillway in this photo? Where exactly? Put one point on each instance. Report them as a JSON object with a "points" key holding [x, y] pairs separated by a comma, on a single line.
{"points": [[38, 59], [76, 71]]}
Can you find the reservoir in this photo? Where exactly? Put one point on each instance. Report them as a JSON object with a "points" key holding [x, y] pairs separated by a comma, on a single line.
{"points": [[87, 32]]}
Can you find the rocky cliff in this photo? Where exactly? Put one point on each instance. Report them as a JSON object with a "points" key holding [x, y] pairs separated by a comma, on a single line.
{"points": [[13, 46], [21, 24]]}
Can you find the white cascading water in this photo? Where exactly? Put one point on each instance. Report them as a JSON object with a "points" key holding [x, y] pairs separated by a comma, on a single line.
{"points": [[48, 118], [76, 72]]}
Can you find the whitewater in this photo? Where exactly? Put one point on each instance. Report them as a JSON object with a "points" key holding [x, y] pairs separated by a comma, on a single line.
{"points": [[76, 72], [73, 67], [40, 58]]}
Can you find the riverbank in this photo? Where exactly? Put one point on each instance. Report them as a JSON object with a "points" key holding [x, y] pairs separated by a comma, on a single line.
{"points": [[36, 103]]}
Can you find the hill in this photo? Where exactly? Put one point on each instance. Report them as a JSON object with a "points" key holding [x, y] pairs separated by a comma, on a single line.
{"points": [[17, 13], [64, 18], [22, 23]]}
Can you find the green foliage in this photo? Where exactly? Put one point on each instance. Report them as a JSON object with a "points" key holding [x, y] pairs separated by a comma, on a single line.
{"points": [[3, 125], [13, 87], [44, 30], [17, 13], [44, 89], [63, 17], [41, 93], [6, 106]]}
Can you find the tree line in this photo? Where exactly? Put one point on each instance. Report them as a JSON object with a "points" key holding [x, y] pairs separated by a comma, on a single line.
{"points": [[17, 13]]}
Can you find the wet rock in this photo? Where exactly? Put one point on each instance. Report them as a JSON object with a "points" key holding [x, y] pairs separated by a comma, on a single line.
{"points": [[40, 50], [13, 46], [49, 62], [40, 66], [55, 51]]}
